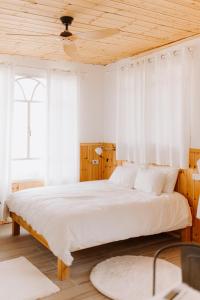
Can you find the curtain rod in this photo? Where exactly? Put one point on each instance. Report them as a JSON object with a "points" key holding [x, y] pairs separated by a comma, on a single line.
{"points": [[45, 68], [155, 50], [168, 45]]}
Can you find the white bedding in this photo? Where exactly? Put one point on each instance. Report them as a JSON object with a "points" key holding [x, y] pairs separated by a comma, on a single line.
{"points": [[78, 216]]}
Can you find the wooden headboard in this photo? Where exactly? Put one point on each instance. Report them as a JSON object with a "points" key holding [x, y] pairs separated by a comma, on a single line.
{"points": [[107, 163], [191, 190]]}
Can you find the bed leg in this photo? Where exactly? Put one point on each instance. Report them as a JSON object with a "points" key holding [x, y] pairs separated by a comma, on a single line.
{"points": [[15, 228], [186, 234], [62, 270]]}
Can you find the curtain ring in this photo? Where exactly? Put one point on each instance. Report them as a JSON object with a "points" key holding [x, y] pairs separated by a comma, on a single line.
{"points": [[175, 52]]}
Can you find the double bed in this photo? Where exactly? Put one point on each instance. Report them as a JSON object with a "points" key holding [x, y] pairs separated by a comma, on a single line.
{"points": [[77, 216]]}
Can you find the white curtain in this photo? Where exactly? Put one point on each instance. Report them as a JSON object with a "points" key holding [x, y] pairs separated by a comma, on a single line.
{"points": [[62, 165], [6, 109], [153, 114]]}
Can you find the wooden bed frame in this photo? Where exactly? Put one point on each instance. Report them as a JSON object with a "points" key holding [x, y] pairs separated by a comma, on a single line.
{"points": [[185, 186], [63, 271], [17, 221]]}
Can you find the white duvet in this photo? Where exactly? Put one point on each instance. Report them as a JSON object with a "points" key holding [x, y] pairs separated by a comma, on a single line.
{"points": [[78, 216]]}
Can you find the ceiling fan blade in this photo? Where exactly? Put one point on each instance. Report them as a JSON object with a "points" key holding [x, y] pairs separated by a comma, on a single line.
{"points": [[99, 34], [71, 49], [72, 38]]}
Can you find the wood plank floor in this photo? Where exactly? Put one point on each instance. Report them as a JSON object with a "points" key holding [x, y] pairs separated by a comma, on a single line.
{"points": [[78, 287]]}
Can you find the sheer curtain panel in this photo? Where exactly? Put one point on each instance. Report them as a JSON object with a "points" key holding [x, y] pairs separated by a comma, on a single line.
{"points": [[153, 117], [62, 165], [6, 109]]}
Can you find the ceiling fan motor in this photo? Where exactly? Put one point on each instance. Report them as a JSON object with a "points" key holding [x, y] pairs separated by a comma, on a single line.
{"points": [[67, 21]]}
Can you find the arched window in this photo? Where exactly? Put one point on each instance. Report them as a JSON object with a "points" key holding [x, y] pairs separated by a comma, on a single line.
{"points": [[28, 136]]}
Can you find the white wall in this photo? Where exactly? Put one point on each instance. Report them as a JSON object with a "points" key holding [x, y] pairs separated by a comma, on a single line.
{"points": [[195, 105], [110, 107], [91, 106], [195, 124]]}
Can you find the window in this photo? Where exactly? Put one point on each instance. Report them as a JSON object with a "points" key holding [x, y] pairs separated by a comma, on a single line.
{"points": [[28, 136]]}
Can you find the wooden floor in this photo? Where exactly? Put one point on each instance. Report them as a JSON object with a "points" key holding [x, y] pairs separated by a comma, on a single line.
{"points": [[78, 287]]}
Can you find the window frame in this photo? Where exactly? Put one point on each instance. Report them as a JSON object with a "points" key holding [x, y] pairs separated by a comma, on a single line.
{"points": [[28, 102]]}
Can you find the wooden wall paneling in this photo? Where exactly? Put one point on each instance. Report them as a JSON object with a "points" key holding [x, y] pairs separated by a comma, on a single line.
{"points": [[88, 170], [191, 159], [95, 169], [190, 186], [84, 163], [109, 159], [196, 157]]}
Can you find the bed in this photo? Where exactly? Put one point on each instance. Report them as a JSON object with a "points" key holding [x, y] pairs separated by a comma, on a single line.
{"points": [[77, 216]]}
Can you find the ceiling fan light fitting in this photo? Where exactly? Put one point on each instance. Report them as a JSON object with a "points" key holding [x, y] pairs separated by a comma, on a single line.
{"points": [[65, 34]]}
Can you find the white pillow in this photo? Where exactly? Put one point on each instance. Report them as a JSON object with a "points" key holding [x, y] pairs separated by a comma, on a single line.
{"points": [[150, 181], [124, 176], [171, 177]]}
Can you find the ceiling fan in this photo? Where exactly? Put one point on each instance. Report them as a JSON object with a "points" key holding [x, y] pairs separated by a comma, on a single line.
{"points": [[68, 38]]}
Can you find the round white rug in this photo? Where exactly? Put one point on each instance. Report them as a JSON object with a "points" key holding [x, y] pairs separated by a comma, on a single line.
{"points": [[130, 277]]}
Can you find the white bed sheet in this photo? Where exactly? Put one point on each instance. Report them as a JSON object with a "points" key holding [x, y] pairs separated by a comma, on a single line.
{"points": [[77, 216]]}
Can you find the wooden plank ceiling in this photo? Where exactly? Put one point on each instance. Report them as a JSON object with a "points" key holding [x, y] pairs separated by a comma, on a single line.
{"points": [[143, 24]]}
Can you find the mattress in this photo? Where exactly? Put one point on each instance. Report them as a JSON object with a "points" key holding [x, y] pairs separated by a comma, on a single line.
{"points": [[78, 216]]}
